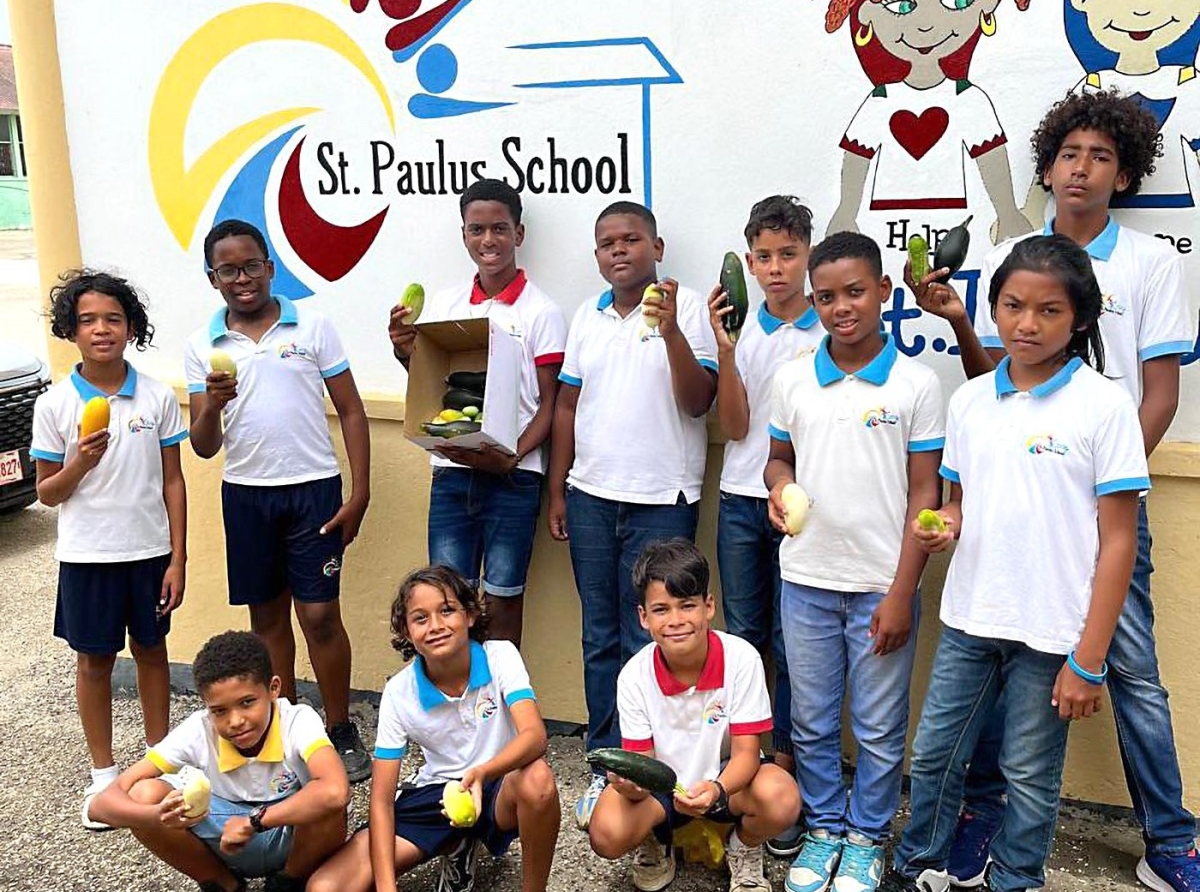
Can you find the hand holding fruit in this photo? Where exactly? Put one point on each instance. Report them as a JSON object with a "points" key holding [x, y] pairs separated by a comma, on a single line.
{"points": [[462, 801], [718, 308], [933, 296], [697, 800], [934, 531], [92, 449], [660, 313], [787, 507], [402, 331], [173, 812]]}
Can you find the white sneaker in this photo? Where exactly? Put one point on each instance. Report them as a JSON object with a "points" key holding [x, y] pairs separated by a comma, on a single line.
{"points": [[653, 868], [587, 802], [94, 789], [745, 866]]}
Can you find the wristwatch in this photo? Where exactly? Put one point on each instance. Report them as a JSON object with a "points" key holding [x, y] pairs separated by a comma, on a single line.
{"points": [[256, 816]]}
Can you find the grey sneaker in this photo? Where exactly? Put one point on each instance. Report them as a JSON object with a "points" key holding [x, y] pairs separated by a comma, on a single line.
{"points": [[349, 746], [457, 868], [745, 867], [653, 868]]}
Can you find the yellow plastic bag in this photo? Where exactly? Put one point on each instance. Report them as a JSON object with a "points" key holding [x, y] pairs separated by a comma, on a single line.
{"points": [[702, 842]]}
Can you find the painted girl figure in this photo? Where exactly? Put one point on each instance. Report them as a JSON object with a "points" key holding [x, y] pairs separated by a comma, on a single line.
{"points": [[924, 112]]}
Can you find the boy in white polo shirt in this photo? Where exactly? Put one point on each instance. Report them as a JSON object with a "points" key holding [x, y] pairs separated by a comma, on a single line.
{"points": [[286, 525], [629, 447], [779, 235], [859, 427], [278, 791], [697, 700], [484, 504], [122, 524]]}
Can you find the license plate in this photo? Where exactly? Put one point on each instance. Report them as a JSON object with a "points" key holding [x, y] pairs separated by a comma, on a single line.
{"points": [[10, 467]]}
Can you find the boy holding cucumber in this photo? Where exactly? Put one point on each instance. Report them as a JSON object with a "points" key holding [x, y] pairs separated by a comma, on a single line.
{"points": [[696, 700], [484, 504], [1089, 148], [859, 426], [779, 235]]}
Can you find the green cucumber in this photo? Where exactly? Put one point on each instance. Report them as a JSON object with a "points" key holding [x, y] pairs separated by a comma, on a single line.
{"points": [[952, 250], [733, 283], [473, 381], [451, 429], [457, 398], [649, 774], [918, 258]]}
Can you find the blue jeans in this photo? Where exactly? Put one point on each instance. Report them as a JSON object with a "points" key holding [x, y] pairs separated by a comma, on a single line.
{"points": [[828, 652], [748, 558], [969, 676], [485, 520], [1144, 733], [606, 538]]}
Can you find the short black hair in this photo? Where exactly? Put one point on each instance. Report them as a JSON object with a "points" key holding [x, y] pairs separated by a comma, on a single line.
{"points": [[232, 655], [1058, 256], [229, 228], [450, 583], [780, 213], [492, 190], [677, 563], [847, 246], [75, 283], [633, 209], [1121, 118]]}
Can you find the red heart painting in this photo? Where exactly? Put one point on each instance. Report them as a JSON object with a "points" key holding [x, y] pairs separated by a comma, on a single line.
{"points": [[919, 134]]}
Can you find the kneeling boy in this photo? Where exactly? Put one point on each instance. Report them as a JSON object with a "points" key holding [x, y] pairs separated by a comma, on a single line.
{"points": [[279, 791], [697, 700]]}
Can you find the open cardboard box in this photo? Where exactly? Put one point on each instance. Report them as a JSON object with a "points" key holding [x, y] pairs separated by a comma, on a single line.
{"points": [[464, 345]]}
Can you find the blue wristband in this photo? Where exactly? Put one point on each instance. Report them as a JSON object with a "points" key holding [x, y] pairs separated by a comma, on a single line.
{"points": [[1089, 677]]}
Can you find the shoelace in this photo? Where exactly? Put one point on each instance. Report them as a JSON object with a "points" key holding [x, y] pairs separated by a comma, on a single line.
{"points": [[857, 860], [816, 853]]}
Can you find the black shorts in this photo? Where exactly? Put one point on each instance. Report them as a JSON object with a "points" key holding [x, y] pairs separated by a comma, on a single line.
{"points": [[419, 820], [98, 603], [273, 540]]}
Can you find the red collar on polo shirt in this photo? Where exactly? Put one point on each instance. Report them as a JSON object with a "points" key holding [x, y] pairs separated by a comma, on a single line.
{"points": [[712, 676], [508, 296]]}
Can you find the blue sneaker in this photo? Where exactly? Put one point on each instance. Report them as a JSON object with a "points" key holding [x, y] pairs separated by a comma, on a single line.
{"points": [[1170, 873], [813, 869], [861, 867], [587, 802], [968, 860]]}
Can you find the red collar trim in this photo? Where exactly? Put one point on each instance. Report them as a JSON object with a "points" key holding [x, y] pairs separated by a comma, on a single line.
{"points": [[508, 296], [712, 676]]}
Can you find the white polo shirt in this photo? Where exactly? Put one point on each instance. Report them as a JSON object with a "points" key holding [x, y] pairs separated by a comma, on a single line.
{"points": [[765, 345], [1033, 466], [278, 771], [1145, 311], [690, 728], [632, 441], [117, 512], [853, 435], [275, 431], [454, 733], [531, 317]]}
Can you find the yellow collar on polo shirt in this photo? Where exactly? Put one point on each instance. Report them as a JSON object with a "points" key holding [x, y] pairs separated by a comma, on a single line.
{"points": [[230, 759]]}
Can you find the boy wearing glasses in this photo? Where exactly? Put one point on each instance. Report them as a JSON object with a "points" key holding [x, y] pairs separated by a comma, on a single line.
{"points": [[286, 523]]}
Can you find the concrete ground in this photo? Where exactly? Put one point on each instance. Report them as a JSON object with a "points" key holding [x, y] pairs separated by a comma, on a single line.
{"points": [[44, 766]]}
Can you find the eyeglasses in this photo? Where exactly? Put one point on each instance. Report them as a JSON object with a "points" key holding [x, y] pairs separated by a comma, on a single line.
{"points": [[229, 273]]}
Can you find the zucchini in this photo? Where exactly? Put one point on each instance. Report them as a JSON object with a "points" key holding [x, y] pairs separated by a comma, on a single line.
{"points": [[918, 258], [458, 398], [476, 382], [733, 283], [648, 773], [451, 429], [952, 250]]}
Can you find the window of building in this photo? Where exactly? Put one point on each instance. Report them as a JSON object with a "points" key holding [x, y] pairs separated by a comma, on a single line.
{"points": [[12, 147]]}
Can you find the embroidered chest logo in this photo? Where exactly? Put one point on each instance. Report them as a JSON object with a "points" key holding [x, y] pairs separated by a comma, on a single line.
{"points": [[879, 416], [485, 707], [283, 782], [1045, 444], [1110, 305], [292, 351], [141, 423], [331, 568], [714, 713]]}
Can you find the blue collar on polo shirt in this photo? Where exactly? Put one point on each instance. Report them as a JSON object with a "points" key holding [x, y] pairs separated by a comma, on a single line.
{"points": [[1005, 386], [428, 693], [87, 390], [605, 301], [1102, 246], [771, 324], [217, 328], [875, 372]]}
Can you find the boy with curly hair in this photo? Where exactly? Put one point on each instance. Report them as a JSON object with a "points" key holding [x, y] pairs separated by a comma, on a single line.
{"points": [[1088, 149]]}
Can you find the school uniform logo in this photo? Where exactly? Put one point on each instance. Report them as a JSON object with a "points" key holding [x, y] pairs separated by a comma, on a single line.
{"points": [[1111, 306], [283, 783], [879, 416], [331, 568], [714, 713], [485, 707], [141, 423], [1045, 444], [292, 351]]}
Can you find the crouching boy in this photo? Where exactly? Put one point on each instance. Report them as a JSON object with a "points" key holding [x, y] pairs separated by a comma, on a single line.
{"points": [[278, 789], [697, 700]]}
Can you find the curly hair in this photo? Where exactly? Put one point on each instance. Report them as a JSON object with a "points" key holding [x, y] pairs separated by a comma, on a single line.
{"points": [[452, 585], [232, 655], [75, 283], [780, 213], [1121, 118]]}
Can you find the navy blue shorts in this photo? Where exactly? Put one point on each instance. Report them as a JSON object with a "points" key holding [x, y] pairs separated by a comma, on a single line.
{"points": [[664, 830], [98, 603], [273, 540], [419, 820]]}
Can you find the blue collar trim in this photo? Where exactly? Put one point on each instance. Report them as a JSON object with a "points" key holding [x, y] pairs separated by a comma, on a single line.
{"points": [[86, 390], [1103, 245], [287, 316], [1005, 386], [771, 324], [605, 301], [875, 372], [428, 693]]}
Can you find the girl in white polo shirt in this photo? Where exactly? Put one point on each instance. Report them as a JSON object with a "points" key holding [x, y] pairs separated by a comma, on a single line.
{"points": [[1045, 460], [122, 524]]}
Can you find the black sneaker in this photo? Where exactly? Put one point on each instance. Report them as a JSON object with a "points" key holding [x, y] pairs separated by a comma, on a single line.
{"points": [[349, 746], [458, 867], [281, 882], [928, 881], [788, 843], [217, 887]]}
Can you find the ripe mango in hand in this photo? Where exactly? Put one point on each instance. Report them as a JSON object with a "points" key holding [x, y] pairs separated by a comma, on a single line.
{"points": [[931, 520], [459, 805], [795, 503], [197, 791], [95, 417], [223, 362], [651, 297]]}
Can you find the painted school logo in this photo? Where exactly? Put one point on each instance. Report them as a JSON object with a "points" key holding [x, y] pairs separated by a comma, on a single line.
{"points": [[485, 707], [1111, 305], [879, 416], [141, 423], [1045, 444], [714, 713], [292, 351]]}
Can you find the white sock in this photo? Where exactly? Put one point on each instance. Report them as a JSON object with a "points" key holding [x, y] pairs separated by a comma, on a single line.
{"points": [[102, 777], [735, 841]]}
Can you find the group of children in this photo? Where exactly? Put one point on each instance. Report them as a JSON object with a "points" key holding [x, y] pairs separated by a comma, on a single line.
{"points": [[1073, 378]]}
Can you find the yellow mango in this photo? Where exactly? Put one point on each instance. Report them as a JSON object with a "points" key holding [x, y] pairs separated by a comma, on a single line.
{"points": [[223, 362], [459, 805], [651, 297], [795, 503], [95, 417], [197, 791], [448, 415], [931, 520]]}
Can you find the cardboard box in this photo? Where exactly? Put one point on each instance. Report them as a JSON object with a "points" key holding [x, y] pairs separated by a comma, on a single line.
{"points": [[464, 345]]}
